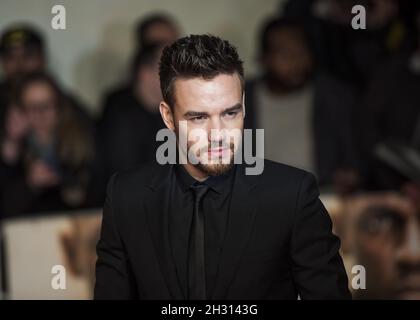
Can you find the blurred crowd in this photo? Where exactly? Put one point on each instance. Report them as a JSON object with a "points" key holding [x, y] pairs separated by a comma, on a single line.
{"points": [[341, 103], [54, 155], [335, 101]]}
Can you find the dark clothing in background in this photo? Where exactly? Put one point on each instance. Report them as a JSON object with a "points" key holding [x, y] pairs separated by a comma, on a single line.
{"points": [[18, 198], [332, 120], [4, 92], [278, 241], [130, 131], [215, 204], [126, 135], [390, 113], [349, 55], [354, 57]]}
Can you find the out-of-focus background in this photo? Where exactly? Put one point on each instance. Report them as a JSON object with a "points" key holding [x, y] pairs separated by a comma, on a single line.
{"points": [[91, 55], [79, 104]]}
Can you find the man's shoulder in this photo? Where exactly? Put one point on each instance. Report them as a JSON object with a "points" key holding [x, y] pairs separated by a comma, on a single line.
{"points": [[274, 174], [282, 174], [139, 176]]}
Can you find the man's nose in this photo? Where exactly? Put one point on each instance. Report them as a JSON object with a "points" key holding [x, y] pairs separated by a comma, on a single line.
{"points": [[409, 253], [215, 132]]}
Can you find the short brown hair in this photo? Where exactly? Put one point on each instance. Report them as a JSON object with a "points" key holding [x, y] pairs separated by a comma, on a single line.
{"points": [[203, 56]]}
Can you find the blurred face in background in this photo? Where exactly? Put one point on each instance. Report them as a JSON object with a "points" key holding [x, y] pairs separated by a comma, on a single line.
{"points": [[287, 60], [386, 238], [205, 105], [40, 104], [161, 32], [148, 85], [21, 61]]}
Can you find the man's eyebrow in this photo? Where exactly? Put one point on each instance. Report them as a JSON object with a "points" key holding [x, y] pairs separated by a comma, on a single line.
{"points": [[236, 107], [195, 114]]}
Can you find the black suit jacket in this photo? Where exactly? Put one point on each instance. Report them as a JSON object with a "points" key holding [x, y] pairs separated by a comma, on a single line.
{"points": [[278, 245]]}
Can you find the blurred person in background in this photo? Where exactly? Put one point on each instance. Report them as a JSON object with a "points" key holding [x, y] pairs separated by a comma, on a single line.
{"points": [[156, 28], [130, 115], [45, 151], [352, 55], [390, 113], [22, 52], [355, 56], [290, 98], [131, 119], [381, 232]]}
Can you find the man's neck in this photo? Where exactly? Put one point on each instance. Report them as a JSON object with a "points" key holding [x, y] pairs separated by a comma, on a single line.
{"points": [[278, 88], [195, 172], [275, 87]]}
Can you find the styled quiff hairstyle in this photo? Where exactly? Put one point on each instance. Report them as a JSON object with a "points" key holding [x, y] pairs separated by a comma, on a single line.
{"points": [[203, 56]]}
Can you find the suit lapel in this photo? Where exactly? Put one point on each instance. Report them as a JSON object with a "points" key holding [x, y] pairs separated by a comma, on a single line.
{"points": [[239, 228], [157, 208], [243, 209]]}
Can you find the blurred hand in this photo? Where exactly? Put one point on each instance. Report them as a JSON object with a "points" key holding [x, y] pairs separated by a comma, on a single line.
{"points": [[16, 124], [41, 175], [16, 127]]}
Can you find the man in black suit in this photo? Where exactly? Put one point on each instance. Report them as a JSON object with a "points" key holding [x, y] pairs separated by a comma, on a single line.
{"points": [[206, 228]]}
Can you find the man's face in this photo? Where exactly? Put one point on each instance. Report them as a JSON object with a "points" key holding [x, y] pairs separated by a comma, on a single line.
{"points": [[288, 59], [209, 114], [21, 61], [161, 33], [386, 235], [148, 84], [39, 103]]}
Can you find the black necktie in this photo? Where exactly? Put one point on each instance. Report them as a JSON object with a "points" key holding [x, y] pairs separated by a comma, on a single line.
{"points": [[196, 268]]}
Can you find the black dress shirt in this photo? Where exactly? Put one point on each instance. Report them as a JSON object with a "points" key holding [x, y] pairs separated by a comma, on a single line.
{"points": [[215, 204]]}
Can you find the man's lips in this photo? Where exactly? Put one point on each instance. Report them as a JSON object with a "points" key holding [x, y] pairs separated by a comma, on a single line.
{"points": [[217, 151]]}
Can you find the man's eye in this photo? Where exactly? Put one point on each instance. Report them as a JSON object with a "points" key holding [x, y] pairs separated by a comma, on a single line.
{"points": [[197, 119], [380, 220], [231, 114]]}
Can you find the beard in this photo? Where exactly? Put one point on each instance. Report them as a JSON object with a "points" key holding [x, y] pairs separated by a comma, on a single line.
{"points": [[200, 157], [216, 166], [216, 169]]}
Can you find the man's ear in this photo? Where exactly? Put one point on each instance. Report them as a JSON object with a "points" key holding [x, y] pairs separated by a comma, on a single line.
{"points": [[167, 116]]}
